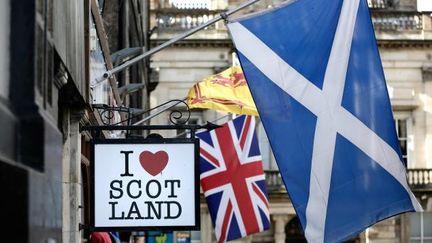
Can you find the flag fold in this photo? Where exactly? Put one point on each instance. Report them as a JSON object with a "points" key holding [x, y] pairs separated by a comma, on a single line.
{"points": [[225, 91]]}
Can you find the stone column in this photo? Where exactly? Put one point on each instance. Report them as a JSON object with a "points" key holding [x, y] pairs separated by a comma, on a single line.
{"points": [[72, 184], [404, 228], [246, 239], [206, 225], [280, 220], [427, 107]]}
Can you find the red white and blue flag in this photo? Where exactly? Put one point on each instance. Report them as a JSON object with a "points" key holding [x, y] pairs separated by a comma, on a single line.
{"points": [[232, 179]]}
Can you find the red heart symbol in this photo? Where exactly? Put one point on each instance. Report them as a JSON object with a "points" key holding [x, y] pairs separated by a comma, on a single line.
{"points": [[153, 163]]}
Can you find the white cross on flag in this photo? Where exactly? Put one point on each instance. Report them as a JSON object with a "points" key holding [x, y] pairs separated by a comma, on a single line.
{"points": [[316, 77]]}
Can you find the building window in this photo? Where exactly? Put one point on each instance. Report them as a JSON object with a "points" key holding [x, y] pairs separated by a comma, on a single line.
{"points": [[44, 54], [401, 128], [195, 236], [421, 227], [265, 149], [5, 23], [403, 123]]}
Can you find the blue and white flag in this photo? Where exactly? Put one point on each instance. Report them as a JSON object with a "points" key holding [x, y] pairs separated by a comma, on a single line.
{"points": [[316, 77]]}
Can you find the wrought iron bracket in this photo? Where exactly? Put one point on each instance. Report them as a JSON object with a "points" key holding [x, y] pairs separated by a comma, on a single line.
{"points": [[177, 118], [107, 113], [98, 129]]}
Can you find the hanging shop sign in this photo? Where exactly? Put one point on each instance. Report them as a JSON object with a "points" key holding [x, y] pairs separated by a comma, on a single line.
{"points": [[145, 184]]}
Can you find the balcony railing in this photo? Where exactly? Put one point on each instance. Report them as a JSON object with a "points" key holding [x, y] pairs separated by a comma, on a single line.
{"points": [[418, 179], [380, 4], [397, 21], [182, 20], [274, 181]]}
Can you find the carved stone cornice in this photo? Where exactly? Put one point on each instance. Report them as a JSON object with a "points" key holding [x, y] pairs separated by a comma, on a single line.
{"points": [[227, 43], [420, 44], [197, 43]]}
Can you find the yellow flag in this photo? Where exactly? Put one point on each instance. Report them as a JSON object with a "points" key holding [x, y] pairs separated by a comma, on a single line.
{"points": [[225, 91]]}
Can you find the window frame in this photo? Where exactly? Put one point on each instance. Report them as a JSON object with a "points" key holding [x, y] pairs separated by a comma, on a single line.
{"points": [[407, 116], [422, 227]]}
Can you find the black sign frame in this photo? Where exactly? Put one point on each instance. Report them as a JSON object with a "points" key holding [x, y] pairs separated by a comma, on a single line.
{"points": [[194, 141]]}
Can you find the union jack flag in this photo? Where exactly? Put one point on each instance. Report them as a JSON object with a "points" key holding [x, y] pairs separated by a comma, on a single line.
{"points": [[232, 179]]}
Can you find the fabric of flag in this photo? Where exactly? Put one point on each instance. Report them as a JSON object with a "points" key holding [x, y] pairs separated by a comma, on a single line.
{"points": [[233, 180], [315, 74], [225, 91]]}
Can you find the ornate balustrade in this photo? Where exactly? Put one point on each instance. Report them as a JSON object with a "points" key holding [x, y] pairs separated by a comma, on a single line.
{"points": [[183, 19], [397, 21], [378, 4], [418, 179], [274, 181], [390, 23]]}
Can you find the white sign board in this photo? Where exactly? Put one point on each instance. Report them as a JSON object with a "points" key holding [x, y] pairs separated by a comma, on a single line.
{"points": [[142, 184]]}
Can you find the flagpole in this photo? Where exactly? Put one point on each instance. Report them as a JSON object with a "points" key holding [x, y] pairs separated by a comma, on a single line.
{"points": [[136, 59]]}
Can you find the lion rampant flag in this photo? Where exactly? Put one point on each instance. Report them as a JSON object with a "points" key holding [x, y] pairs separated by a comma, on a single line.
{"points": [[225, 91]]}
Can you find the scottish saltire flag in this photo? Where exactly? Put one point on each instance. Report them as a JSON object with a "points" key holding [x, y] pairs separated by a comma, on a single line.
{"points": [[315, 74], [232, 179]]}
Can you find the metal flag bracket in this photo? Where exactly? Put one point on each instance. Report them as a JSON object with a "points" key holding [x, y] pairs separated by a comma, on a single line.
{"points": [[178, 118]]}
